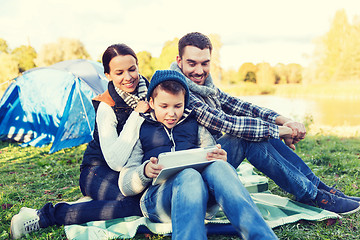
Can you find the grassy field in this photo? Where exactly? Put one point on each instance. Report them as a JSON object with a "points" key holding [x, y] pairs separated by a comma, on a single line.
{"points": [[31, 177]]}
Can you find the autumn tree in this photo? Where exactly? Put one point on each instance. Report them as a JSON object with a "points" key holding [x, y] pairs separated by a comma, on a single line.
{"points": [[167, 56], [247, 72], [63, 49], [337, 52], [25, 56], [3, 46], [8, 69], [264, 74], [230, 76], [215, 64], [145, 64], [294, 73]]}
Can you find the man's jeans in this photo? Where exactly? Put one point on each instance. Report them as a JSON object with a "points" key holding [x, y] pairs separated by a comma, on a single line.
{"points": [[277, 161], [101, 184], [184, 198]]}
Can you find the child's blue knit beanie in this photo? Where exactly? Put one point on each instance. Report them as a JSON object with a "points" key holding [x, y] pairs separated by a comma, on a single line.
{"points": [[166, 75]]}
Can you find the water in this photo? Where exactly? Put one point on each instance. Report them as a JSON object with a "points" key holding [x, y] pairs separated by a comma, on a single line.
{"points": [[327, 112]]}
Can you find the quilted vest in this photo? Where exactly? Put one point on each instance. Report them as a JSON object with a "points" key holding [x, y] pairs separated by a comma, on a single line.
{"points": [[156, 138]]}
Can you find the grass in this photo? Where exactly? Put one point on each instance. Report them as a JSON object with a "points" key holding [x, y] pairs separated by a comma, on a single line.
{"points": [[31, 177]]}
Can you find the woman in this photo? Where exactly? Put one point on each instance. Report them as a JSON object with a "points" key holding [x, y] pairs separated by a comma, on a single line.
{"points": [[105, 155]]}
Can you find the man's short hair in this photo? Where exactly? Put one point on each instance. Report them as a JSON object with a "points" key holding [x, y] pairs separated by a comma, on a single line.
{"points": [[195, 39]]}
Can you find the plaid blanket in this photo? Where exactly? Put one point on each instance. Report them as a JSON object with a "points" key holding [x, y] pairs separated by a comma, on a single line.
{"points": [[276, 211]]}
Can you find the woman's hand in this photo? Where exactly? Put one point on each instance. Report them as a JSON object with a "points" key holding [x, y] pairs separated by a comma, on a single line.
{"points": [[217, 154], [152, 169], [142, 107]]}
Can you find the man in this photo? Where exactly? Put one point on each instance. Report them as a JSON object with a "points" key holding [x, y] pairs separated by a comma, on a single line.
{"points": [[253, 132]]}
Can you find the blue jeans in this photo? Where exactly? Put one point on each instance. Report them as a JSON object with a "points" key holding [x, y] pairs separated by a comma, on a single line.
{"points": [[184, 198], [277, 161], [101, 184]]}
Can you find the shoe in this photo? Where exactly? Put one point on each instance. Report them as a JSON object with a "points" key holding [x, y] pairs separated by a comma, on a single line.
{"points": [[26, 221], [333, 203], [338, 193]]}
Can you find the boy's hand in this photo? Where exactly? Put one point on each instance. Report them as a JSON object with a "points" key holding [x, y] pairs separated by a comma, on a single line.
{"points": [[152, 169], [217, 154], [142, 107]]}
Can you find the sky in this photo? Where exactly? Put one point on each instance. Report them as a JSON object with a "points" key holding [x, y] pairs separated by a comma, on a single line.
{"points": [[273, 31]]}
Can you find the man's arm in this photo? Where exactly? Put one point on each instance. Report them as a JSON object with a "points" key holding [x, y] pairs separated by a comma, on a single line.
{"points": [[249, 128]]}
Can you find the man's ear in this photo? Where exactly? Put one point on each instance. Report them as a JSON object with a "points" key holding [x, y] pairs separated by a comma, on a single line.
{"points": [[178, 61], [151, 102]]}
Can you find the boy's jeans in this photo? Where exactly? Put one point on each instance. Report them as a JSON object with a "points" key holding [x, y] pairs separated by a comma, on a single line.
{"points": [[277, 161], [183, 200]]}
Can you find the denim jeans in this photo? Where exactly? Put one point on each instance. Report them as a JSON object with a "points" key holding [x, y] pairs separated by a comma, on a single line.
{"points": [[101, 184], [184, 198], [277, 161]]}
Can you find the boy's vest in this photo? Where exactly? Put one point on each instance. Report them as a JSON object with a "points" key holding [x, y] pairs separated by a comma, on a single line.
{"points": [[93, 154], [156, 139]]}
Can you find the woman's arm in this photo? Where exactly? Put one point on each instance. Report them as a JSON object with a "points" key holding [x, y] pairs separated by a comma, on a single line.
{"points": [[116, 148], [132, 179]]}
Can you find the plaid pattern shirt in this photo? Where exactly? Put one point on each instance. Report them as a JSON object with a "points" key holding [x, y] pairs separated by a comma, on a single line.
{"points": [[236, 117]]}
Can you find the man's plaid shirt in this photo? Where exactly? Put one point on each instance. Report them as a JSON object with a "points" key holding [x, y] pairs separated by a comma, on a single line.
{"points": [[236, 117]]}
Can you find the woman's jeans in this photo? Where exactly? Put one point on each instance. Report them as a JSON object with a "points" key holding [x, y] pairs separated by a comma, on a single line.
{"points": [[101, 184], [277, 161], [184, 198]]}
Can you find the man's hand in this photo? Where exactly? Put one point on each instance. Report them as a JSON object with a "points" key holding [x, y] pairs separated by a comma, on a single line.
{"points": [[152, 169], [286, 134], [299, 130]]}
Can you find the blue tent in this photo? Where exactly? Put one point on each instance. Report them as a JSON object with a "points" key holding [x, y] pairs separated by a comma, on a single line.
{"points": [[52, 104]]}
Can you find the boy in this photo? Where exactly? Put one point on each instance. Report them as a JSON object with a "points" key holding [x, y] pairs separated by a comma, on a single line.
{"points": [[183, 199]]}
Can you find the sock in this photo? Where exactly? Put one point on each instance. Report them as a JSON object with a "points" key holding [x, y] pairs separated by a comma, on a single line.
{"points": [[324, 186]]}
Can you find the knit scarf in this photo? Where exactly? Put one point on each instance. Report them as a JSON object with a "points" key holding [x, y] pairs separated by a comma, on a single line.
{"points": [[207, 92], [132, 99]]}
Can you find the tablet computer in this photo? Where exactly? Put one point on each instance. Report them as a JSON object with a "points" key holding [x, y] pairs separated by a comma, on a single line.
{"points": [[174, 162]]}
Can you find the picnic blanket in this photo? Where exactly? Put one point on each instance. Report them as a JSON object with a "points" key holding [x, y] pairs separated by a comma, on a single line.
{"points": [[276, 211]]}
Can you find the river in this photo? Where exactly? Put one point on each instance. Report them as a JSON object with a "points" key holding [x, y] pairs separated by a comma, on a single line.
{"points": [[325, 112]]}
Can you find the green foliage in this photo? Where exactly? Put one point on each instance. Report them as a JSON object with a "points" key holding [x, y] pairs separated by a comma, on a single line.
{"points": [[145, 67], [167, 55], [25, 56]]}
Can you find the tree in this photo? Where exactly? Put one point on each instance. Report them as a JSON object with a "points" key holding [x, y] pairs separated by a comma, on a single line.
{"points": [[264, 74], [3, 46], [63, 49], [145, 64], [294, 73], [230, 76], [8, 69], [216, 69], [247, 72], [333, 51], [167, 56], [25, 56]]}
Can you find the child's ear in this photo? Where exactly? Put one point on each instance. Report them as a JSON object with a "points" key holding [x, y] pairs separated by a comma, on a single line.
{"points": [[151, 102]]}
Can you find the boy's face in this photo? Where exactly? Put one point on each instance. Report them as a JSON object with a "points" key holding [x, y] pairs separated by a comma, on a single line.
{"points": [[168, 107], [195, 64]]}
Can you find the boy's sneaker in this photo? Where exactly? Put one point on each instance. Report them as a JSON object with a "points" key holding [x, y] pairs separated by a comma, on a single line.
{"points": [[338, 193], [26, 221], [333, 203]]}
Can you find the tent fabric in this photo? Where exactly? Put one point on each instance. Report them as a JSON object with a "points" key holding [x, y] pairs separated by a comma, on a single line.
{"points": [[52, 105], [276, 211]]}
